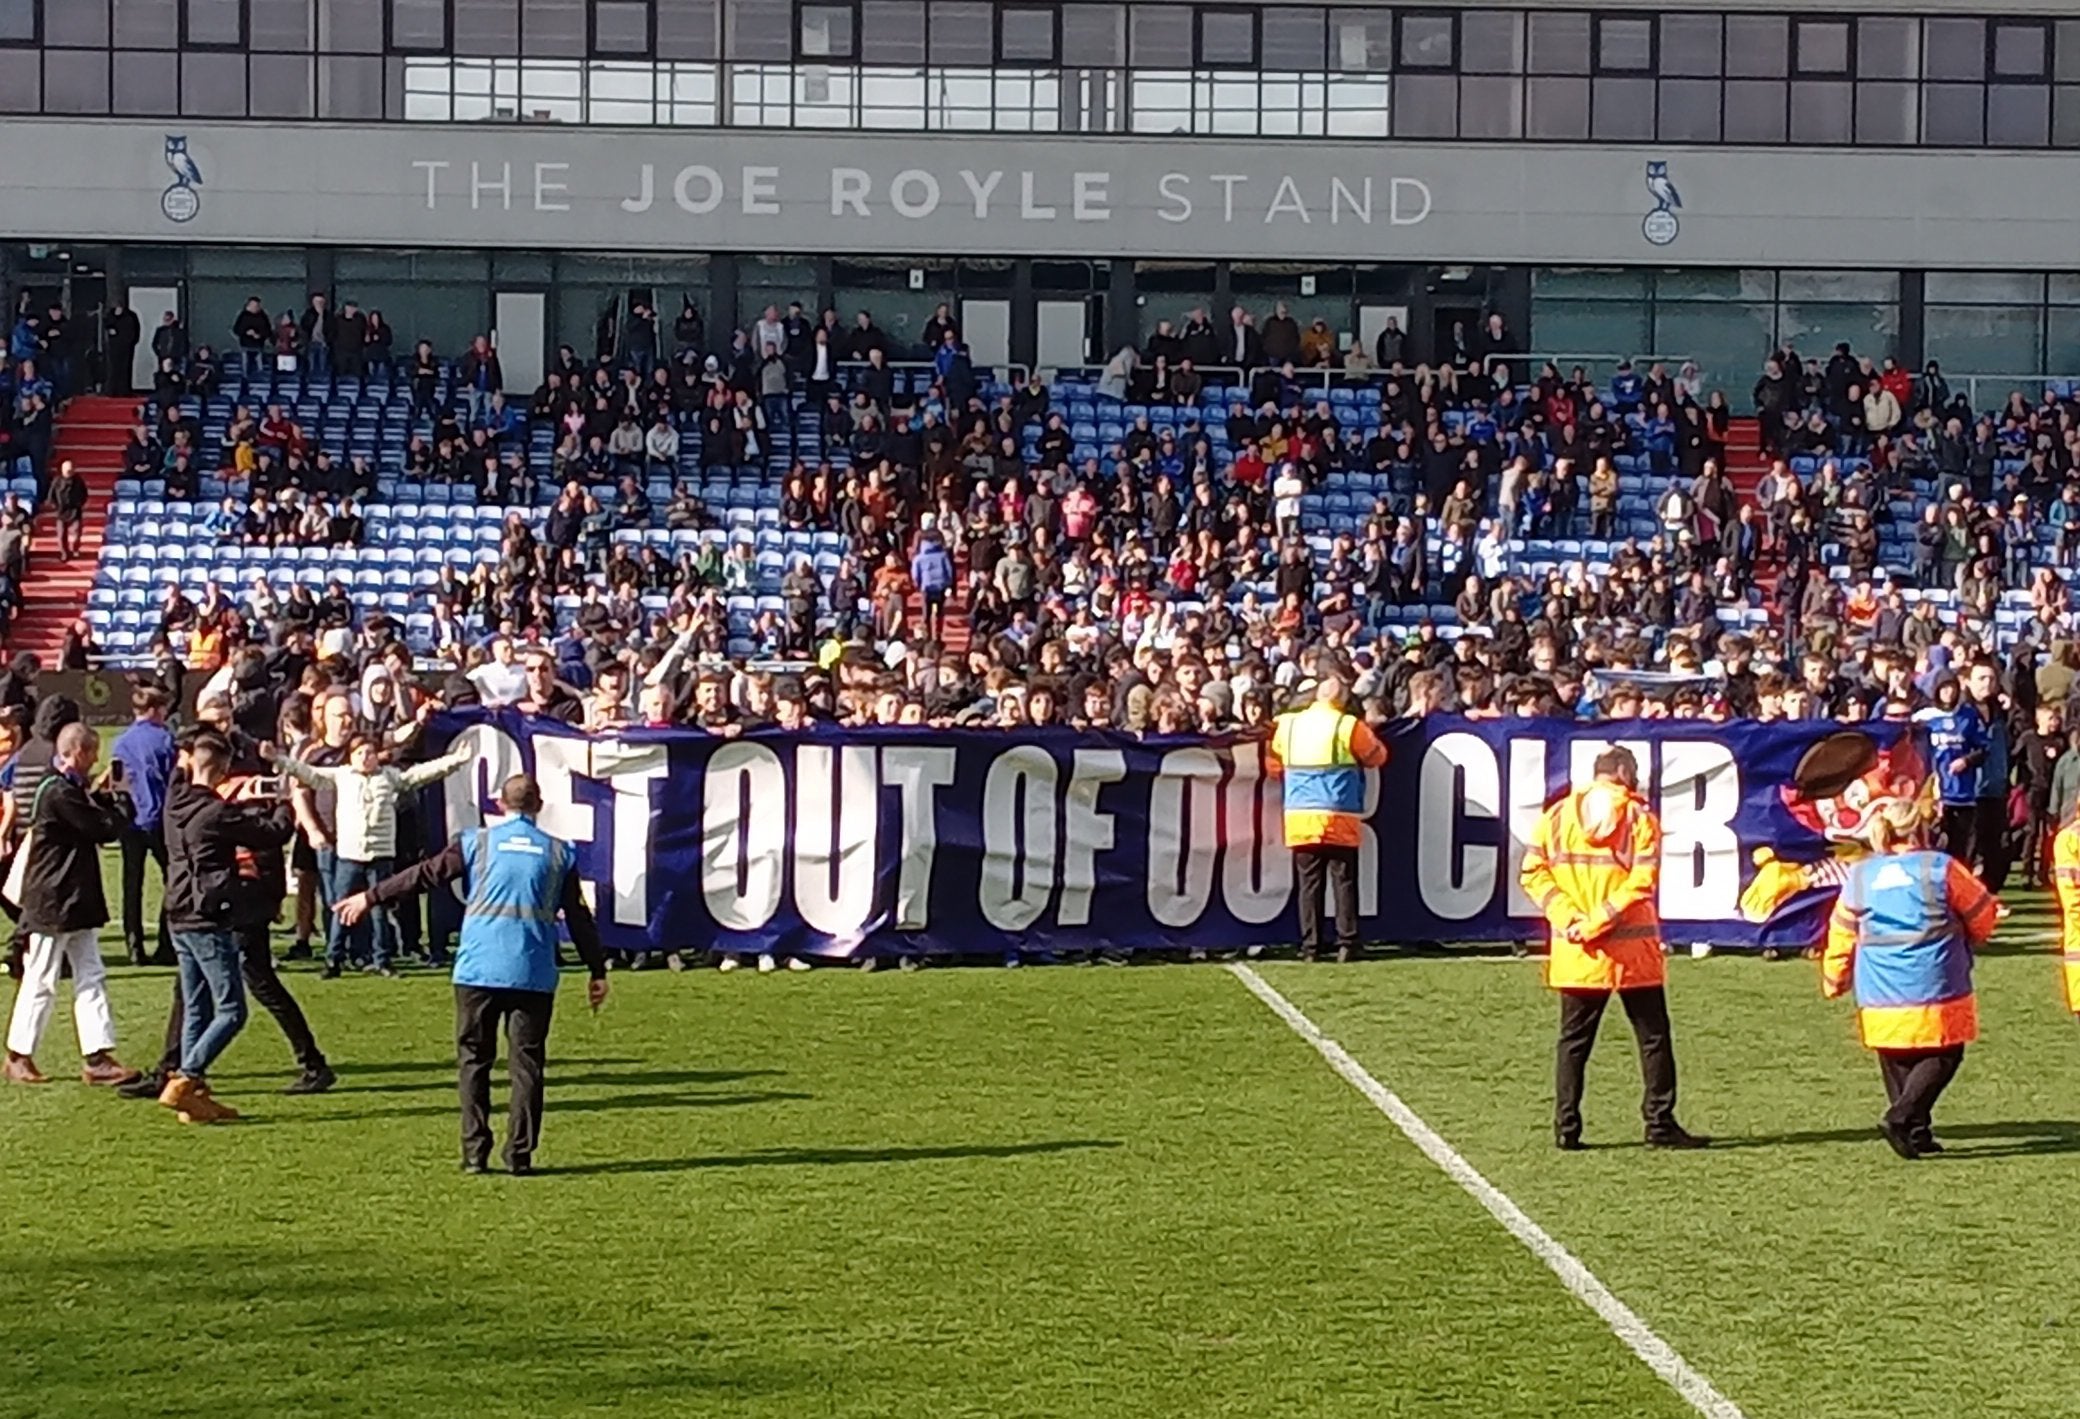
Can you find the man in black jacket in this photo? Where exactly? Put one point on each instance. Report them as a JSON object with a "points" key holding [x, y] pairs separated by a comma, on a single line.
{"points": [[210, 898], [57, 881]]}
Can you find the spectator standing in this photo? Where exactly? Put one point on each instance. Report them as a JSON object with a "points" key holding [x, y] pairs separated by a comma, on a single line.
{"points": [[319, 330], [69, 502], [1322, 753], [142, 760], [122, 333], [480, 377], [254, 333]]}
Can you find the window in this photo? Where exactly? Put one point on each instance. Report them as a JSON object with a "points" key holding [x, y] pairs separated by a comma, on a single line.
{"points": [[688, 29], [1227, 39], [1426, 41], [2068, 66], [1690, 45], [486, 28], [891, 32], [280, 25], [2018, 115], [19, 22], [1361, 41], [147, 24], [213, 85], [282, 86], [1161, 37], [75, 81], [826, 32], [147, 82], [2021, 49], [1094, 35], [1820, 112], [1953, 115], [213, 24], [1956, 49], [1491, 107], [1757, 46], [1026, 34], [1624, 109], [1689, 110], [1559, 44], [1822, 46], [1886, 113], [964, 33], [1754, 108], [1888, 48], [1491, 42], [1556, 108], [1291, 40], [71, 26], [1426, 106], [419, 25], [1624, 45], [621, 27], [553, 29], [350, 86]]}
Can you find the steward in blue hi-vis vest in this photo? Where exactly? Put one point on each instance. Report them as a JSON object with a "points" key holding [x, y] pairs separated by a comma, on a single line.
{"points": [[513, 883]]}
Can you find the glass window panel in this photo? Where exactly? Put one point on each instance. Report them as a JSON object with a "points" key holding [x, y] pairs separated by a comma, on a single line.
{"points": [[2018, 115], [2067, 64], [1757, 46], [2019, 50], [1727, 340], [1602, 283], [1888, 48], [1872, 286], [418, 24], [72, 22], [1293, 39], [21, 81], [281, 24], [556, 28], [1094, 35], [1690, 45], [1869, 329], [1491, 107], [1227, 37], [147, 81], [1972, 339], [1953, 115], [282, 86], [961, 33], [350, 26], [1426, 41], [350, 86], [1599, 326], [147, 24], [1425, 106], [215, 22], [1754, 110], [1823, 47], [1955, 48], [1984, 287], [1559, 44], [488, 27], [1357, 108], [1491, 42], [213, 85], [1689, 111], [1625, 43], [75, 81], [1885, 113], [758, 29], [1820, 112], [1715, 283], [891, 32], [2065, 288], [621, 27], [1361, 41], [1556, 108], [686, 29], [1025, 35], [1624, 108], [1162, 36], [2062, 340], [2065, 116]]}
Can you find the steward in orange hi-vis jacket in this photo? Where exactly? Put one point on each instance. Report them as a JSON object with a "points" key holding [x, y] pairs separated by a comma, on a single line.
{"points": [[1902, 936], [1322, 752], [1593, 866]]}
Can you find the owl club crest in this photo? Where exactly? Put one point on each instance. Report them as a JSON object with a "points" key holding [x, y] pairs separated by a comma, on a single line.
{"points": [[180, 202], [1660, 226]]}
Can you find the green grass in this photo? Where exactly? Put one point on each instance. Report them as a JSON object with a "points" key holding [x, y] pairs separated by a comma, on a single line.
{"points": [[1059, 1192]]}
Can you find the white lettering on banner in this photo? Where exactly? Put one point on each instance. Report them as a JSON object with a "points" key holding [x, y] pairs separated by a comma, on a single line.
{"points": [[645, 194], [1227, 180], [1167, 185], [914, 207], [1020, 789], [1527, 803], [1395, 214], [630, 769], [682, 190], [835, 826], [743, 836], [980, 191], [1029, 209], [761, 192], [1256, 867], [1286, 202], [1368, 847], [543, 187], [433, 177], [1183, 835], [849, 187], [917, 773], [1456, 880], [1086, 832], [503, 186], [1700, 852], [1340, 196], [1089, 200], [556, 761]]}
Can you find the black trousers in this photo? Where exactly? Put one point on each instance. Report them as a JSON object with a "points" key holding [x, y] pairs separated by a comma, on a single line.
{"points": [[1960, 825], [1992, 841], [1581, 1012], [1325, 869], [256, 964], [138, 846], [525, 1015], [1914, 1080]]}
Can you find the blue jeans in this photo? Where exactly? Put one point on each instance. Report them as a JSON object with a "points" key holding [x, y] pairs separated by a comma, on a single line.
{"points": [[371, 937], [213, 988], [317, 359]]}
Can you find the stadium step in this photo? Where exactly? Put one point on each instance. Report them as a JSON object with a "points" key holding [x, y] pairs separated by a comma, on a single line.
{"points": [[91, 432], [1745, 465]]}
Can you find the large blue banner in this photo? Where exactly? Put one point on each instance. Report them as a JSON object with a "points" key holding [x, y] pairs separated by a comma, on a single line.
{"points": [[839, 843]]}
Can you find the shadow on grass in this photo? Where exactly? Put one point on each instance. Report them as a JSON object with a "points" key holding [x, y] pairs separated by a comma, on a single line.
{"points": [[2022, 1138], [355, 1069], [610, 1104], [828, 1157], [558, 1079]]}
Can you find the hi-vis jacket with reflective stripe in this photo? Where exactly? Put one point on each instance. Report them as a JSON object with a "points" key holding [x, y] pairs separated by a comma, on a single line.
{"points": [[1902, 936], [1323, 754], [512, 890], [1594, 864], [2065, 876]]}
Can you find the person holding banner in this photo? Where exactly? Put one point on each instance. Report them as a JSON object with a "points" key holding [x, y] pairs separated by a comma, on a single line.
{"points": [[1322, 751], [1902, 936], [1593, 867]]}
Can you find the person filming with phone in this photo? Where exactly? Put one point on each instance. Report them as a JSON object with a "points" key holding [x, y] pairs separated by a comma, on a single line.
{"points": [[515, 880]]}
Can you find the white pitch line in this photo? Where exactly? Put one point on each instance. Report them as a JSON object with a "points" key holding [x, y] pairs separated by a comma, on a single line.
{"points": [[1639, 1337]]}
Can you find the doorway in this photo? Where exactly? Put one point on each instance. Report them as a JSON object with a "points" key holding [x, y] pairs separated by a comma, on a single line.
{"points": [[1453, 332]]}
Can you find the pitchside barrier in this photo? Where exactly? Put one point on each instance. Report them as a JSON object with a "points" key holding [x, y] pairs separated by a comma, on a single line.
{"points": [[848, 842]]}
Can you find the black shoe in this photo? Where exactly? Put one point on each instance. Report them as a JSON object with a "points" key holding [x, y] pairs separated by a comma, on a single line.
{"points": [[1675, 1136], [137, 955], [331, 972], [1307, 954], [1346, 954], [148, 1085], [1925, 1143], [475, 1167], [389, 973], [521, 1167], [1568, 1142], [315, 1080], [1898, 1139], [298, 951]]}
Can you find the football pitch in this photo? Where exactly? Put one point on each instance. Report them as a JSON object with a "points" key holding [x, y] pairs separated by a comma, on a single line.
{"points": [[1059, 1192]]}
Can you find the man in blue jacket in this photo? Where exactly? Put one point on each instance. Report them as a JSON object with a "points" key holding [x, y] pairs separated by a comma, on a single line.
{"points": [[516, 879], [1957, 745], [143, 757]]}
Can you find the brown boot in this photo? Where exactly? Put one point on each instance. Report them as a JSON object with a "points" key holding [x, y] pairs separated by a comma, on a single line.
{"points": [[106, 1070], [200, 1107], [179, 1089], [21, 1069]]}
